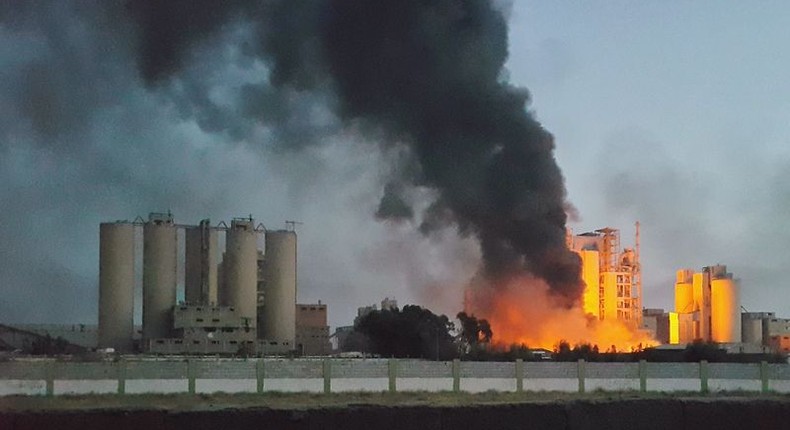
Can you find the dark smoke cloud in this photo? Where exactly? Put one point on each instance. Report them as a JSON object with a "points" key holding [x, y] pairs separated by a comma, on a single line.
{"points": [[425, 74]]}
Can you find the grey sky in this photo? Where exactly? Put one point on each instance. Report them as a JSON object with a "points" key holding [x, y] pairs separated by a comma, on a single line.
{"points": [[674, 113]]}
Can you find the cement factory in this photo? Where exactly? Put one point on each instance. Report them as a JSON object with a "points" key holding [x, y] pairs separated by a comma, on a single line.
{"points": [[239, 295], [243, 303], [612, 277], [707, 302]]}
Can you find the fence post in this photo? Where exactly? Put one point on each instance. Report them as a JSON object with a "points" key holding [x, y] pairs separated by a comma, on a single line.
{"points": [[703, 376], [191, 376], [260, 374], [327, 376], [121, 367], [519, 375], [392, 373], [50, 377], [643, 376], [580, 372], [456, 375], [764, 376]]}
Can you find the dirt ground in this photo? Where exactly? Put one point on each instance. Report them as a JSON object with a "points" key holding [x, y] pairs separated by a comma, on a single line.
{"points": [[297, 401]]}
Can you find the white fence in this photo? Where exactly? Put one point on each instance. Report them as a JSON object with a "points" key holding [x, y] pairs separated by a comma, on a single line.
{"points": [[48, 377]]}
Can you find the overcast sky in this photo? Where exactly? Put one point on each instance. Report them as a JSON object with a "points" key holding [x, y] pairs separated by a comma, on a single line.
{"points": [[673, 113]]}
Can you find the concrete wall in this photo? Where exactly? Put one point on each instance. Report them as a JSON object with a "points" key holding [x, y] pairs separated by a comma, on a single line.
{"points": [[30, 377]]}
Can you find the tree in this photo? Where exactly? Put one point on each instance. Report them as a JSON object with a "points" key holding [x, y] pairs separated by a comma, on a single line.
{"points": [[474, 331], [411, 332]]}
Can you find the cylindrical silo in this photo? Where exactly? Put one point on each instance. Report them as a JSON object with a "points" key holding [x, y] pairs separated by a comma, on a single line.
{"points": [[200, 273], [278, 319], [240, 269], [684, 291], [160, 260], [725, 311], [752, 328], [116, 286]]}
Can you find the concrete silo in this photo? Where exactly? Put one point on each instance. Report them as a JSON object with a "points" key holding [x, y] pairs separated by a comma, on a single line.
{"points": [[160, 262], [684, 291], [240, 269], [278, 319], [200, 274], [116, 286], [725, 310]]}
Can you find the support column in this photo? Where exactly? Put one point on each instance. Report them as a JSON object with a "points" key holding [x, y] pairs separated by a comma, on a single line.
{"points": [[456, 375], [191, 376], [327, 370], [260, 374], [764, 376], [50, 377], [703, 376], [580, 372], [392, 373], [643, 376], [519, 375], [121, 367]]}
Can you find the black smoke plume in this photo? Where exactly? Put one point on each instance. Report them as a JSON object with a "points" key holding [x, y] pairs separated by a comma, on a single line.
{"points": [[425, 74]]}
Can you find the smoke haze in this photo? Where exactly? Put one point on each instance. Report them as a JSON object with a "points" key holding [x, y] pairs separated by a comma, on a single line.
{"points": [[112, 109]]}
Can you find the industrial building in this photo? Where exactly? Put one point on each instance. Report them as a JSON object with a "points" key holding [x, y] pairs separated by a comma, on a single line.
{"points": [[707, 307], [765, 329], [245, 303], [312, 331], [612, 275]]}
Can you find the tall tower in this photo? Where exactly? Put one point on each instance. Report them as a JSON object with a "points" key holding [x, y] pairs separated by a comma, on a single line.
{"points": [[159, 275], [116, 286], [200, 274], [240, 269], [278, 313]]}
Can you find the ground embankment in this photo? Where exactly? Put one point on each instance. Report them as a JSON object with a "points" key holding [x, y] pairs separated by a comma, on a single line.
{"points": [[207, 412]]}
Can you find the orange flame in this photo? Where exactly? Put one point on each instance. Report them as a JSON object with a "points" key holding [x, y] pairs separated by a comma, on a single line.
{"points": [[524, 312]]}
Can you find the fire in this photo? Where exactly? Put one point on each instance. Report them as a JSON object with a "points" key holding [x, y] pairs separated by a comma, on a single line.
{"points": [[524, 312]]}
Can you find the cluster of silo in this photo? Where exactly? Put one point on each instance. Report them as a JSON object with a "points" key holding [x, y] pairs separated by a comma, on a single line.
{"points": [[237, 285], [708, 302], [117, 279]]}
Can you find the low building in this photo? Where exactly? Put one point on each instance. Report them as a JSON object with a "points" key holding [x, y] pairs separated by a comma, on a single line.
{"points": [[312, 331], [201, 329], [778, 334], [656, 323]]}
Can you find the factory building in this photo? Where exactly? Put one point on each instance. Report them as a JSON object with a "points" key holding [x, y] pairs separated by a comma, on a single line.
{"points": [[612, 275], [244, 303], [656, 323], [707, 307], [312, 331]]}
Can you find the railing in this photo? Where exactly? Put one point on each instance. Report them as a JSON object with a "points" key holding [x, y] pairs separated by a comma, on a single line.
{"points": [[49, 377]]}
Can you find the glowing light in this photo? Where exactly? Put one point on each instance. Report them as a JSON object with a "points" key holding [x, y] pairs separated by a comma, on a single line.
{"points": [[524, 311]]}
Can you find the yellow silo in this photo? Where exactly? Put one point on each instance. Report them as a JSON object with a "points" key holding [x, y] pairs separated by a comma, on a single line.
{"points": [[684, 291], [590, 275], [725, 311]]}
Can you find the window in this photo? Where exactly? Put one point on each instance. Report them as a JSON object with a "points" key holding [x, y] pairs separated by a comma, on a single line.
{"points": [[233, 342], [160, 341], [215, 320], [199, 319], [214, 342], [196, 342], [178, 342]]}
